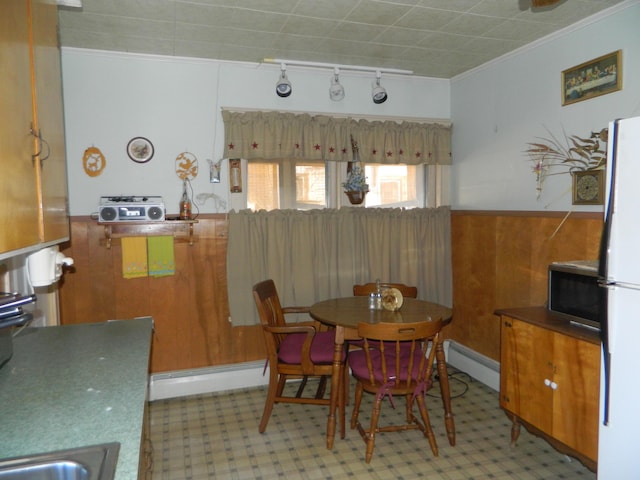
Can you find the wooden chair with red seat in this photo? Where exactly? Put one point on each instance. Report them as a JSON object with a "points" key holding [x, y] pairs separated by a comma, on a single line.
{"points": [[294, 351], [369, 288], [396, 359]]}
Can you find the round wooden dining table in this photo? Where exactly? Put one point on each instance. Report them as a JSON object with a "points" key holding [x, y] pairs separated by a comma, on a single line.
{"points": [[346, 313]]}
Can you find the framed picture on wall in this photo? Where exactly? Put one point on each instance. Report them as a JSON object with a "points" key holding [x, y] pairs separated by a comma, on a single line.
{"points": [[591, 79]]}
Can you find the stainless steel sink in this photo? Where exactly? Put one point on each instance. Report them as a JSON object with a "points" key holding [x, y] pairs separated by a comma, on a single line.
{"points": [[97, 462]]}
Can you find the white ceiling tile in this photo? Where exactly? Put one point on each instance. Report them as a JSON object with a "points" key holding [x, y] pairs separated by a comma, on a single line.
{"points": [[376, 13], [356, 31], [332, 9], [400, 36], [308, 26], [475, 25], [437, 38], [426, 18]]}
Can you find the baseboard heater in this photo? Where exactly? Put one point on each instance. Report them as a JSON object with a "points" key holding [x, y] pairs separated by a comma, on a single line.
{"points": [[478, 366], [205, 380], [250, 374]]}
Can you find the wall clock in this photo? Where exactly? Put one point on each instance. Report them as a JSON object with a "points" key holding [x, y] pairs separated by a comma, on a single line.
{"points": [[588, 187]]}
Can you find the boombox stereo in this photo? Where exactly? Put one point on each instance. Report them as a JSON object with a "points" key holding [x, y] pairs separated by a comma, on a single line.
{"points": [[131, 209]]}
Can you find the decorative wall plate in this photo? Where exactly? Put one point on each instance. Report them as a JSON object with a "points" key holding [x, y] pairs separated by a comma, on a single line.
{"points": [[140, 150]]}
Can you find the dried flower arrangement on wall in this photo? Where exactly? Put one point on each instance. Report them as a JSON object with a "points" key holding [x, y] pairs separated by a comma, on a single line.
{"points": [[550, 156]]}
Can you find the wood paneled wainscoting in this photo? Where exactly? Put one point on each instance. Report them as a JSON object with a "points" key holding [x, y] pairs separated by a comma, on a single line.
{"points": [[500, 260], [190, 308]]}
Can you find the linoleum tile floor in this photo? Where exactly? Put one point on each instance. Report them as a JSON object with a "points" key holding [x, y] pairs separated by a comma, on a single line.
{"points": [[215, 436]]}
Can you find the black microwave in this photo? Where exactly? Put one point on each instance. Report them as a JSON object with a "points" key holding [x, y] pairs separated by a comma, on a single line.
{"points": [[573, 291]]}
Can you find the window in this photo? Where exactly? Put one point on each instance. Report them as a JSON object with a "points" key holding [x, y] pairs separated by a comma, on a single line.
{"points": [[298, 185], [392, 185], [263, 186], [304, 185]]}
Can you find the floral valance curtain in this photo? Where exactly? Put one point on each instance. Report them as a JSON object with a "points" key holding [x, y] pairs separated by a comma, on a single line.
{"points": [[278, 135], [319, 254]]}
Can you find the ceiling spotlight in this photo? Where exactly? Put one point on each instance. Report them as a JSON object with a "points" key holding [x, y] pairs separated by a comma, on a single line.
{"points": [[283, 85], [336, 91], [379, 94]]}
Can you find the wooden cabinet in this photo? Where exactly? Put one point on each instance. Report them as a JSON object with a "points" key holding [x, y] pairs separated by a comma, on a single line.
{"points": [[549, 380], [48, 119], [33, 184]]}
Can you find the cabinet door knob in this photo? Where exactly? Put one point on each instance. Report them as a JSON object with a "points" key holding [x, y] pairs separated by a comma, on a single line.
{"points": [[551, 384]]}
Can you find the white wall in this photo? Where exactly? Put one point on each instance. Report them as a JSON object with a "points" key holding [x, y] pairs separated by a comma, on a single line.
{"points": [[499, 108], [110, 98], [496, 110]]}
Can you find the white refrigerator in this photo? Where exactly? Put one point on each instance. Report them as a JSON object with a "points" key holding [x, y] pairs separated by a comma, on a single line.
{"points": [[619, 270]]}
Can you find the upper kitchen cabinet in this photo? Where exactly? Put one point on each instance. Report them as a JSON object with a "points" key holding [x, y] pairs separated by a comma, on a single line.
{"points": [[49, 122], [18, 190], [33, 185]]}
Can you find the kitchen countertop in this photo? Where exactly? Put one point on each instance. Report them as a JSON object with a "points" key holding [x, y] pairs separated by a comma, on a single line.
{"points": [[545, 318], [77, 385]]}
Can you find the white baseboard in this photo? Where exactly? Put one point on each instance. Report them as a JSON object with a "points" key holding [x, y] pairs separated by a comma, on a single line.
{"points": [[205, 380], [243, 375], [476, 365]]}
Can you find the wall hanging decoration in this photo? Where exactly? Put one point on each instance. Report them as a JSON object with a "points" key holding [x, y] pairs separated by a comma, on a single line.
{"points": [[93, 161], [186, 166], [214, 171], [591, 79], [140, 149], [550, 156], [355, 187], [235, 175]]}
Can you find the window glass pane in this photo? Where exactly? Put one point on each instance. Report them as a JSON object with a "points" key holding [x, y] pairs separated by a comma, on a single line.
{"points": [[262, 186], [307, 184], [310, 185], [391, 185]]}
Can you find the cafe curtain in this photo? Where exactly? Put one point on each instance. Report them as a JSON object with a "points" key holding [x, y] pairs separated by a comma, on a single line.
{"points": [[278, 135], [315, 255]]}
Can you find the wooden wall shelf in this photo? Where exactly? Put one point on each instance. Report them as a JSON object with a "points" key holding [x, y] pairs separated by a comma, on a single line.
{"points": [[182, 230]]}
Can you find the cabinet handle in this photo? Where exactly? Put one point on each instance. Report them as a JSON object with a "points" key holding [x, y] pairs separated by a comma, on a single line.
{"points": [[551, 384], [547, 382], [42, 142]]}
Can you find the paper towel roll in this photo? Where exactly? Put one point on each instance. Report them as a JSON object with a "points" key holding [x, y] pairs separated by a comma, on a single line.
{"points": [[44, 267]]}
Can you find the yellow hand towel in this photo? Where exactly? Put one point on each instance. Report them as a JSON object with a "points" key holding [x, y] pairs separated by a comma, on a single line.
{"points": [[161, 259], [134, 257]]}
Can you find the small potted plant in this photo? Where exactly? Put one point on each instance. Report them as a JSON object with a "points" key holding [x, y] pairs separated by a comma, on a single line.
{"points": [[356, 186]]}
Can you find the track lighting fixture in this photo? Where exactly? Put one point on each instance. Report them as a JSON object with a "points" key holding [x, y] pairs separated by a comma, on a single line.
{"points": [[379, 93], [336, 91], [283, 85]]}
